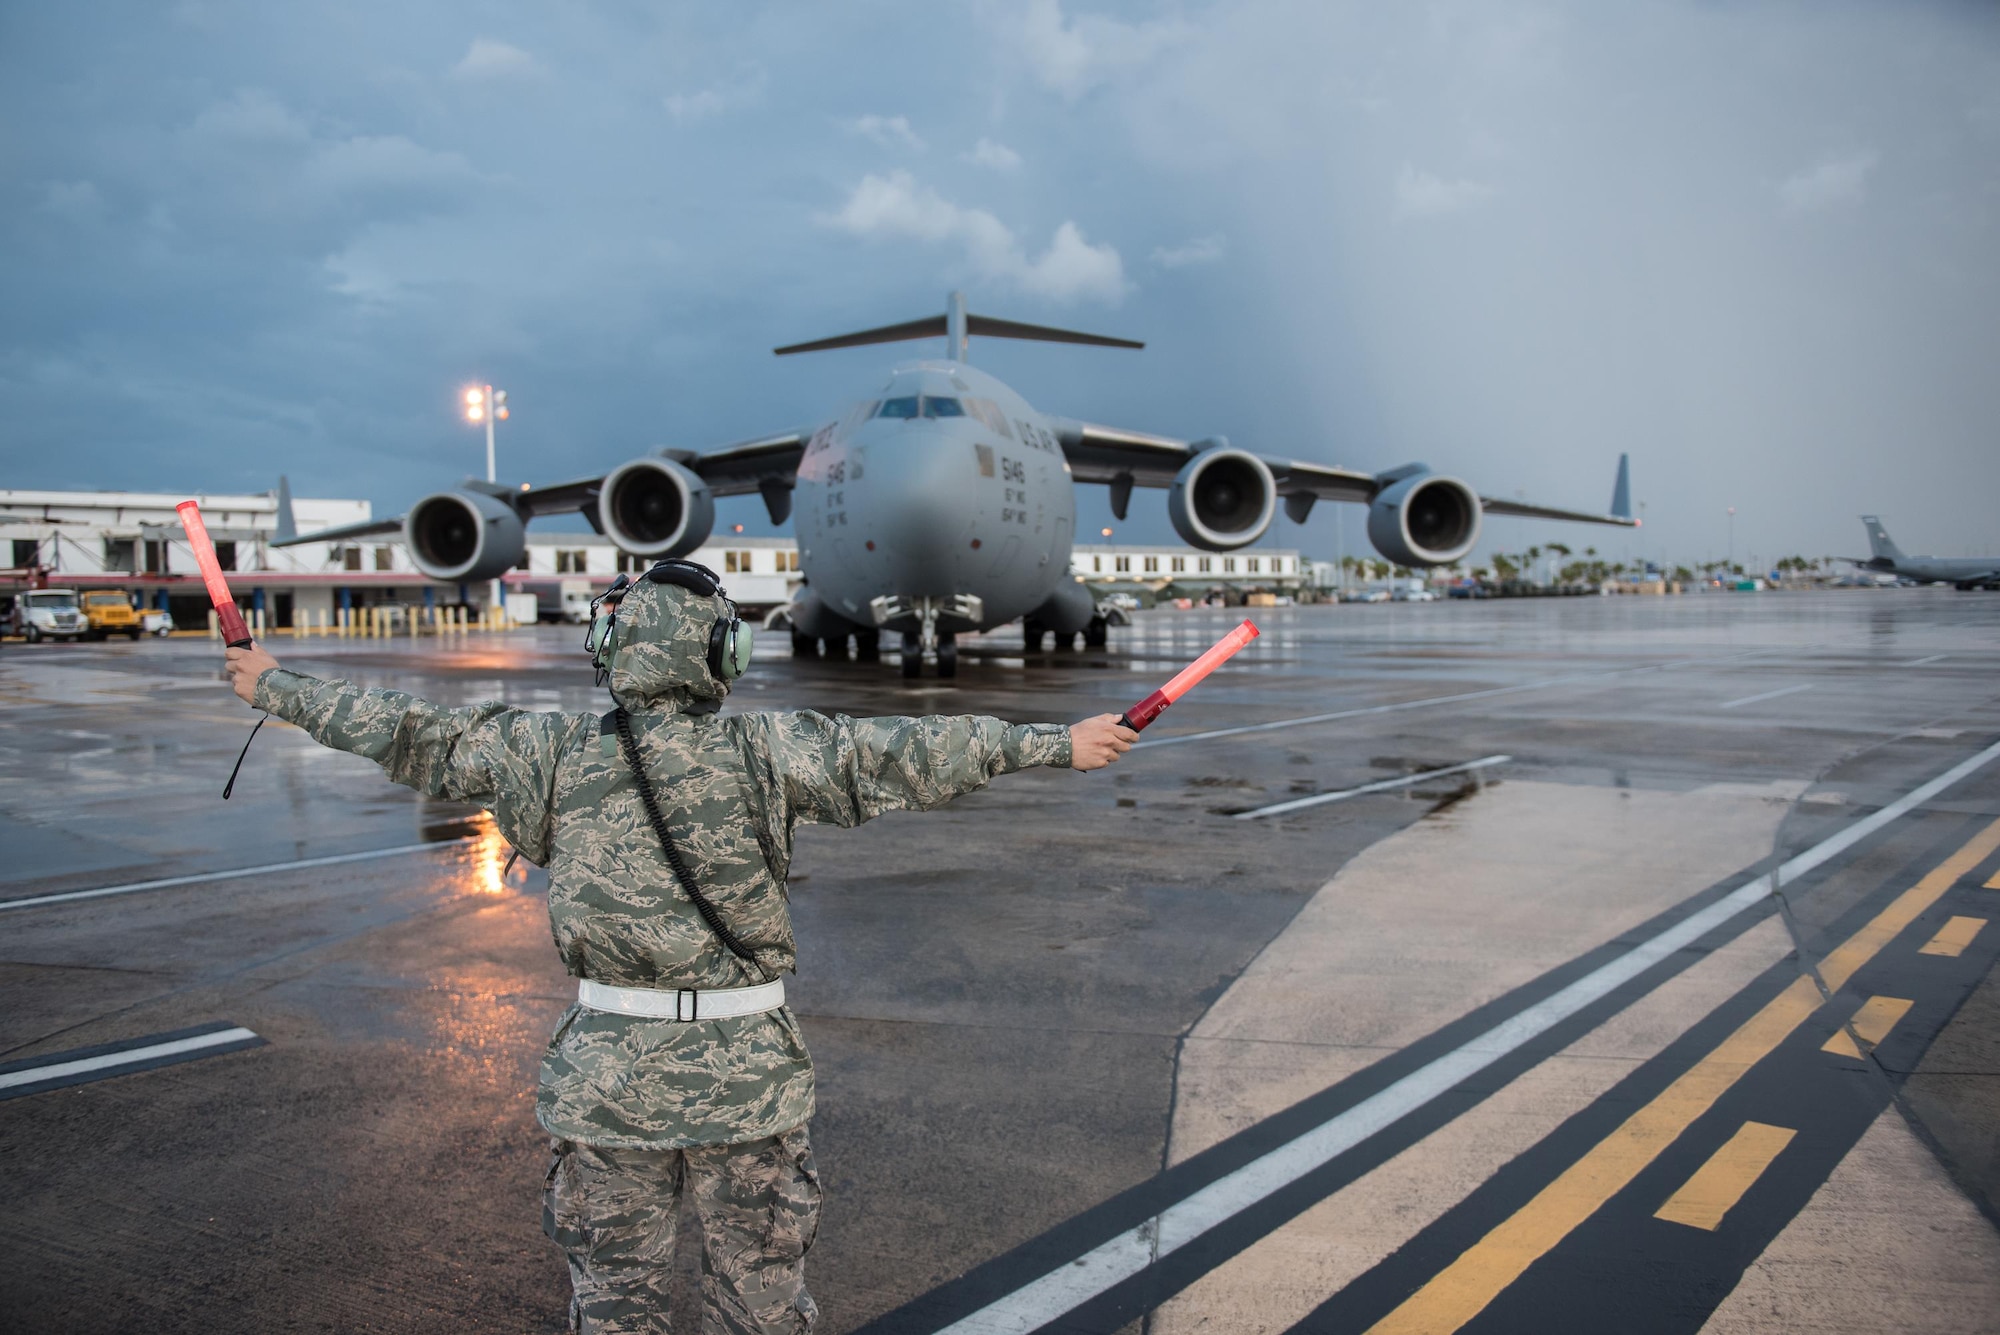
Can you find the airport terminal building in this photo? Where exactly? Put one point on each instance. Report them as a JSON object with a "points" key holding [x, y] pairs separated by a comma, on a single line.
{"points": [[132, 541]]}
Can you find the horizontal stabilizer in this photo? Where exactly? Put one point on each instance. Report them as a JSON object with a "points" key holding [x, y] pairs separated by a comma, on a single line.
{"points": [[987, 326], [956, 325]]}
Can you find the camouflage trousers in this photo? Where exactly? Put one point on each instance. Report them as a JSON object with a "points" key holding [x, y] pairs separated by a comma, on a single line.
{"points": [[613, 1211]]}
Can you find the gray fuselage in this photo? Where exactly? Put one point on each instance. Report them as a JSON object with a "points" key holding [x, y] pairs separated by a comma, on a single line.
{"points": [[943, 482]]}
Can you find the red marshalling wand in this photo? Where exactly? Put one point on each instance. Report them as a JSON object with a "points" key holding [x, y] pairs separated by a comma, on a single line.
{"points": [[1150, 708], [229, 617]]}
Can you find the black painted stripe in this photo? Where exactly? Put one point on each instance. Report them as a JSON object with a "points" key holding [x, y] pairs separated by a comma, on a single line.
{"points": [[1624, 1269]]}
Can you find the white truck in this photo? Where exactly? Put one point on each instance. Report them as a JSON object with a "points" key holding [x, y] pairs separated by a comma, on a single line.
{"points": [[49, 614]]}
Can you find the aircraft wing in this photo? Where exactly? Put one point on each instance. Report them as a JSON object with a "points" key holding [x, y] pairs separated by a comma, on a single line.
{"points": [[367, 529], [1493, 505], [1118, 457], [732, 470]]}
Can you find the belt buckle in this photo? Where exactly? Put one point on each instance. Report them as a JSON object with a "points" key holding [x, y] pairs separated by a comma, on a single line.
{"points": [[693, 1004]]}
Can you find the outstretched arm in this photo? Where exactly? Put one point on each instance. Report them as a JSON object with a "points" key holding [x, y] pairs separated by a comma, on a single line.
{"points": [[842, 771], [503, 759]]}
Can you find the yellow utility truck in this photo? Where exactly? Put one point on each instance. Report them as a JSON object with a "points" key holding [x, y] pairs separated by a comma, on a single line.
{"points": [[110, 613]]}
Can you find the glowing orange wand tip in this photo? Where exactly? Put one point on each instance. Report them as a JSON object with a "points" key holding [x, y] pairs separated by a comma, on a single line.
{"points": [[1150, 708], [229, 617]]}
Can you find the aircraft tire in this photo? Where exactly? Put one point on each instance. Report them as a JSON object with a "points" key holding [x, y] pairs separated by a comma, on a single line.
{"points": [[1031, 635], [804, 646], [1097, 634], [1067, 641], [947, 656], [913, 657], [835, 647], [868, 646]]}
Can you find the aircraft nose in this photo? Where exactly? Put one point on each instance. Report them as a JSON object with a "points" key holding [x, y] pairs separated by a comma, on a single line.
{"points": [[921, 509]]}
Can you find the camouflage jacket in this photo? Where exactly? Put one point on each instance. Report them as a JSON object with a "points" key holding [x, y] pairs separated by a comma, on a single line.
{"points": [[732, 789]]}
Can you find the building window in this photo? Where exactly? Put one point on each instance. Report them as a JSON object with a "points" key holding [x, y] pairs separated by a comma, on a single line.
{"points": [[27, 552], [1152, 565], [1096, 565], [350, 558], [629, 564], [1124, 565], [789, 561], [225, 555], [1256, 564], [1204, 564], [120, 554], [1228, 565], [385, 558], [572, 561], [1177, 564], [156, 557], [736, 563], [1277, 565]]}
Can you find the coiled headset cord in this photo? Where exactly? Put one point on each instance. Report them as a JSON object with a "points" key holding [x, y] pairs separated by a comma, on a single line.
{"points": [[630, 746]]}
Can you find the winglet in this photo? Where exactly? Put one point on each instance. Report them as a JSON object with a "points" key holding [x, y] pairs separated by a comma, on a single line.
{"points": [[288, 528], [1621, 490]]}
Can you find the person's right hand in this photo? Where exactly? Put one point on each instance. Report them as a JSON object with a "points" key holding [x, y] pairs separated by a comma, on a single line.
{"points": [[1096, 742]]}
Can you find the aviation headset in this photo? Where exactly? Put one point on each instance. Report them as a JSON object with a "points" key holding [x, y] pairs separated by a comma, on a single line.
{"points": [[729, 639]]}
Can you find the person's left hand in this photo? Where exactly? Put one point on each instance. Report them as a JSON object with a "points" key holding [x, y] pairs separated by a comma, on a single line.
{"points": [[245, 666]]}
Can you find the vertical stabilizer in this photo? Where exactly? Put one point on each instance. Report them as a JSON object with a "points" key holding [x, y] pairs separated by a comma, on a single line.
{"points": [[287, 527], [954, 326], [1880, 544], [1621, 490]]}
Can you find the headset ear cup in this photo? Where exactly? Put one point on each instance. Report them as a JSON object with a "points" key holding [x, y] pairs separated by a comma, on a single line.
{"points": [[729, 649], [742, 636]]}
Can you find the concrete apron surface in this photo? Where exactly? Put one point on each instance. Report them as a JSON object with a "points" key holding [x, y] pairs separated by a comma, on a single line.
{"points": [[1400, 942]]}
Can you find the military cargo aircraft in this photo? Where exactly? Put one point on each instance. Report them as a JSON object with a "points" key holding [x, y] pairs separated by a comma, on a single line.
{"points": [[943, 502], [1965, 571]]}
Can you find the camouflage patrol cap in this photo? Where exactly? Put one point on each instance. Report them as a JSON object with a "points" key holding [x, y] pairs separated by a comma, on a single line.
{"points": [[659, 656]]}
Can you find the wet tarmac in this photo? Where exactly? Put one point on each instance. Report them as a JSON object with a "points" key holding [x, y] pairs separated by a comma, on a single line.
{"points": [[1518, 1046]]}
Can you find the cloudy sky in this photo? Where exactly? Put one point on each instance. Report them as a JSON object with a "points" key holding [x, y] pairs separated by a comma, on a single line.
{"points": [[1757, 245]]}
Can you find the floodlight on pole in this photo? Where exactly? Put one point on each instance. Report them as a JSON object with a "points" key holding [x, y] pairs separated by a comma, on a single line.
{"points": [[483, 403]]}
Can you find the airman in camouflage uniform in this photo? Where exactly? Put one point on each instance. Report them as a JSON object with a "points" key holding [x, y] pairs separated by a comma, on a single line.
{"points": [[641, 1107]]}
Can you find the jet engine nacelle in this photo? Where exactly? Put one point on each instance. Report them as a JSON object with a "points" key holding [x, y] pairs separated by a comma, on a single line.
{"points": [[1222, 499], [1426, 520], [655, 507], [464, 535]]}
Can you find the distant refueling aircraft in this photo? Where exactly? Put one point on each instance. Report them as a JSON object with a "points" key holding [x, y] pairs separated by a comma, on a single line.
{"points": [[943, 502], [1966, 572]]}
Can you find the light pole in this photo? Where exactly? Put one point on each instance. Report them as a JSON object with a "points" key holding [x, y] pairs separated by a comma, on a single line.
{"points": [[1729, 561], [483, 403]]}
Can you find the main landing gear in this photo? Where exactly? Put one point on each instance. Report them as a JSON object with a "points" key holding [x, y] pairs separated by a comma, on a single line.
{"points": [[1095, 636]]}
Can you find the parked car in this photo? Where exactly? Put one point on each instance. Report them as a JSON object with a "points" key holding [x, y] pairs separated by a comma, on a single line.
{"points": [[49, 614], [156, 621], [1415, 596]]}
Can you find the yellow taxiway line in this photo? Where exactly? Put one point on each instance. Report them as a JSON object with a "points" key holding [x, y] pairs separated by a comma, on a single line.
{"points": [[1462, 1289], [1718, 1184], [1872, 1021]]}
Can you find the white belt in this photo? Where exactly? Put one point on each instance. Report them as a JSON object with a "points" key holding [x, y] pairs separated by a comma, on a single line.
{"points": [[683, 1003]]}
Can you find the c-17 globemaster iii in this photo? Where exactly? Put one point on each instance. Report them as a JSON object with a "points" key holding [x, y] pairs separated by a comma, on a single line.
{"points": [[943, 502], [1967, 572]]}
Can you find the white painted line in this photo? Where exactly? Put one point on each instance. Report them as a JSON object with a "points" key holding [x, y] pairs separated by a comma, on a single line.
{"points": [[1321, 799], [130, 1057], [1921, 661], [168, 882], [1043, 1300], [1768, 695], [1432, 700]]}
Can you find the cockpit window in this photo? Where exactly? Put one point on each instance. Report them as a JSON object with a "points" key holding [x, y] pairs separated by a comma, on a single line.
{"points": [[943, 407], [898, 407]]}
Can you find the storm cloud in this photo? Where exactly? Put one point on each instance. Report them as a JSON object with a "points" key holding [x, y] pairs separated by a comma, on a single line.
{"points": [[1753, 245]]}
